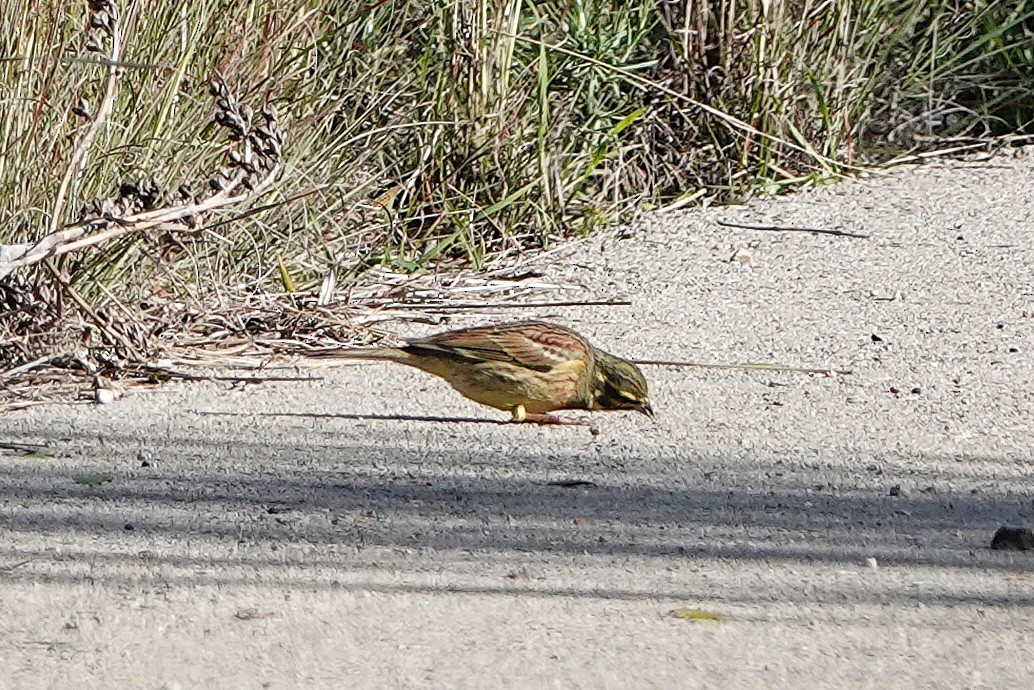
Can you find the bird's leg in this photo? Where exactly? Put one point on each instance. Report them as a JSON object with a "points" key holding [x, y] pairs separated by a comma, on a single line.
{"points": [[520, 415]]}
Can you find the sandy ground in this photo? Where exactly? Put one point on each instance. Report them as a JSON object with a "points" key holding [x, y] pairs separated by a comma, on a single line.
{"points": [[327, 535]]}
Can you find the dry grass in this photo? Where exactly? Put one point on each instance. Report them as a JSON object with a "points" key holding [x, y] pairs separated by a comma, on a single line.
{"points": [[421, 139]]}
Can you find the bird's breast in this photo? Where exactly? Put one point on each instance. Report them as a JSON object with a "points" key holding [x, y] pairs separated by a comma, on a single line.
{"points": [[504, 385]]}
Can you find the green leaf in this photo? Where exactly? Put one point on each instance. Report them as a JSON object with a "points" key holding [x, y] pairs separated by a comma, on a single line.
{"points": [[285, 276], [627, 121], [94, 479], [695, 615]]}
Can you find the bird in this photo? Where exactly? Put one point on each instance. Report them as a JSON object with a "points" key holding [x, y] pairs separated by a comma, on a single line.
{"points": [[527, 368]]}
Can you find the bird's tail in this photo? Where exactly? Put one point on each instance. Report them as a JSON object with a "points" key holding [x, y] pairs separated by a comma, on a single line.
{"points": [[393, 354]]}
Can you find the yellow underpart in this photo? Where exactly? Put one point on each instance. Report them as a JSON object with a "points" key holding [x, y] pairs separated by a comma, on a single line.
{"points": [[506, 386]]}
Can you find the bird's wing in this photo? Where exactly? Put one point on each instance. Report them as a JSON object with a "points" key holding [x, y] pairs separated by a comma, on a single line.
{"points": [[529, 344]]}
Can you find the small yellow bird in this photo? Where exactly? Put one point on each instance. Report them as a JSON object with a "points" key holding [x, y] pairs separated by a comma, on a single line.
{"points": [[527, 368]]}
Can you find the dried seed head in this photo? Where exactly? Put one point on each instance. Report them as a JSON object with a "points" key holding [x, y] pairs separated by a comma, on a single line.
{"points": [[149, 193]]}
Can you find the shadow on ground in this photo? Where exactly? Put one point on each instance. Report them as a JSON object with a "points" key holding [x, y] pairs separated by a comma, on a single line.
{"points": [[254, 504]]}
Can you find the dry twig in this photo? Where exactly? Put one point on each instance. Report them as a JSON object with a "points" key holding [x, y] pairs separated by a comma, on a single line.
{"points": [[783, 228], [749, 366]]}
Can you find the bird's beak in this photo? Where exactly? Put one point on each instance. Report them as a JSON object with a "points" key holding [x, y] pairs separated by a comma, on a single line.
{"points": [[646, 409]]}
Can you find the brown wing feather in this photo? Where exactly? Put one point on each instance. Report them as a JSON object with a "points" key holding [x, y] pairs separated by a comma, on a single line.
{"points": [[531, 344]]}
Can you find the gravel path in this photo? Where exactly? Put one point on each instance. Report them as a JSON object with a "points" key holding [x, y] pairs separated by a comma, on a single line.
{"points": [[324, 535]]}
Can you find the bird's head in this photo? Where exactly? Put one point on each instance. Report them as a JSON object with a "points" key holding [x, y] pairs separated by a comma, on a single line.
{"points": [[619, 385]]}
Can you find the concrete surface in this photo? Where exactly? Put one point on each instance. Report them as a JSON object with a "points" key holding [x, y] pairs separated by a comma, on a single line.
{"points": [[323, 535]]}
